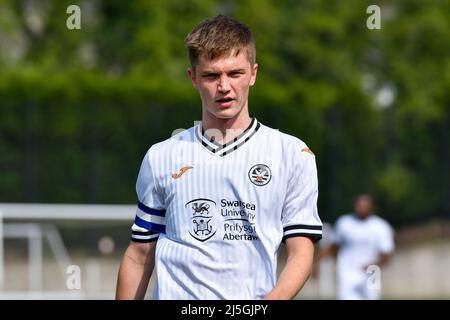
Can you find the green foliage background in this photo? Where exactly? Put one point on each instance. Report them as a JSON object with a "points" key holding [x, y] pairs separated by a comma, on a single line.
{"points": [[79, 108]]}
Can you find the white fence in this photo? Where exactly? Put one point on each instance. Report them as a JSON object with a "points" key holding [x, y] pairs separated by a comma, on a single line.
{"points": [[34, 222], [416, 271]]}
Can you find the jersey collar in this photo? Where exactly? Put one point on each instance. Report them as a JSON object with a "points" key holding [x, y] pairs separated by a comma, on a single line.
{"points": [[224, 149]]}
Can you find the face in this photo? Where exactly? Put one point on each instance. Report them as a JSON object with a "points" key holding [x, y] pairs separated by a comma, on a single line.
{"points": [[223, 84], [363, 207]]}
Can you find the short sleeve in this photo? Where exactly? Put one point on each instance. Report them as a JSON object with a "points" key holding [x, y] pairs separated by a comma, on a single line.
{"points": [[150, 218], [300, 217], [338, 233], [386, 241]]}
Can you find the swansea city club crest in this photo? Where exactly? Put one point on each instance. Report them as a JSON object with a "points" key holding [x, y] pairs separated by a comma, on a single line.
{"points": [[202, 219], [260, 174]]}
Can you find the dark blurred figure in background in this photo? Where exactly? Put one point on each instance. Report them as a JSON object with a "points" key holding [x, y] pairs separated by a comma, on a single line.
{"points": [[362, 242]]}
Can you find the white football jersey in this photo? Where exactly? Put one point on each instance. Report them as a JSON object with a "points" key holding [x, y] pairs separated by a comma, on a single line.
{"points": [[220, 212], [360, 241]]}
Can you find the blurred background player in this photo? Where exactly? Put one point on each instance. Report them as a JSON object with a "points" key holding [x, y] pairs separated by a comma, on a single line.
{"points": [[363, 242]]}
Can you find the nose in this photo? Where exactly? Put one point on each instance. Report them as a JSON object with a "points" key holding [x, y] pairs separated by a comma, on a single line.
{"points": [[224, 84]]}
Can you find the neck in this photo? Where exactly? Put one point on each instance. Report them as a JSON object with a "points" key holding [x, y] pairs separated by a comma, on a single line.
{"points": [[362, 217], [229, 128]]}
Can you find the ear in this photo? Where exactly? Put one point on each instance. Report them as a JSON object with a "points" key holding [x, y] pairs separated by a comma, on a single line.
{"points": [[191, 74], [254, 71]]}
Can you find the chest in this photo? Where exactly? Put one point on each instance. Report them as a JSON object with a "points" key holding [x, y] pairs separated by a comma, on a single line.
{"points": [[229, 198], [360, 234], [244, 176]]}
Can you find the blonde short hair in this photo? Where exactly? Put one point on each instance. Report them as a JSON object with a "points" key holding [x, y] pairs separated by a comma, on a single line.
{"points": [[218, 36]]}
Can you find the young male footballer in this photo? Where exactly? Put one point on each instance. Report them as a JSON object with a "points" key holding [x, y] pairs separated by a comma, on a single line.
{"points": [[216, 201]]}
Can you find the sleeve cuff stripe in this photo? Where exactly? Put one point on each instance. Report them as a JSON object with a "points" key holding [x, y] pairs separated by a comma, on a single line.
{"points": [[148, 210], [145, 237], [302, 226], [144, 240], [314, 237], [143, 233], [303, 231]]}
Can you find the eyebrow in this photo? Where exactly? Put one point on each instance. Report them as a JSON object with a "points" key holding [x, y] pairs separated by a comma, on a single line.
{"points": [[207, 72]]}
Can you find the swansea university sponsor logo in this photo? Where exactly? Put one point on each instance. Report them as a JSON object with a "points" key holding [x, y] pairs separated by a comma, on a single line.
{"points": [[203, 226], [238, 220], [260, 174], [234, 219]]}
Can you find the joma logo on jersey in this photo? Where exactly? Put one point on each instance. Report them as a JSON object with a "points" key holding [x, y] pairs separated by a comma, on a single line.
{"points": [[203, 226], [260, 174], [182, 171], [307, 150]]}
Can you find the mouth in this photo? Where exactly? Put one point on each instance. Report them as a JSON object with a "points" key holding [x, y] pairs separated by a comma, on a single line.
{"points": [[225, 102]]}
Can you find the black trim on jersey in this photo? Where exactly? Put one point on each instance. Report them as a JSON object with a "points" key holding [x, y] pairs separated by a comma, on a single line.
{"points": [[314, 237], [245, 140], [302, 226], [144, 240], [235, 143], [211, 139], [144, 233], [207, 146]]}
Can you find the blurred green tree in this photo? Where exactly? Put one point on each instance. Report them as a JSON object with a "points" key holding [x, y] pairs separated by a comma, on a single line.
{"points": [[79, 108]]}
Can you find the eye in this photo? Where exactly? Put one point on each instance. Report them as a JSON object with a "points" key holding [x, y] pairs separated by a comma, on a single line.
{"points": [[210, 76], [235, 74]]}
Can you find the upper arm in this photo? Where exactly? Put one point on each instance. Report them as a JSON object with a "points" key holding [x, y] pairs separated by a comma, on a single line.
{"points": [[299, 216], [386, 241], [338, 233], [302, 247], [150, 213]]}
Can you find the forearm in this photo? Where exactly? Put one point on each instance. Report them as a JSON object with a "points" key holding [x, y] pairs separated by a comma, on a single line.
{"points": [[330, 251], [134, 276], [295, 273], [383, 259]]}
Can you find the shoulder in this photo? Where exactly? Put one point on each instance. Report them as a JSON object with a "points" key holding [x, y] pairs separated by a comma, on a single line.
{"points": [[288, 143], [277, 134], [345, 219], [381, 223], [343, 225]]}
